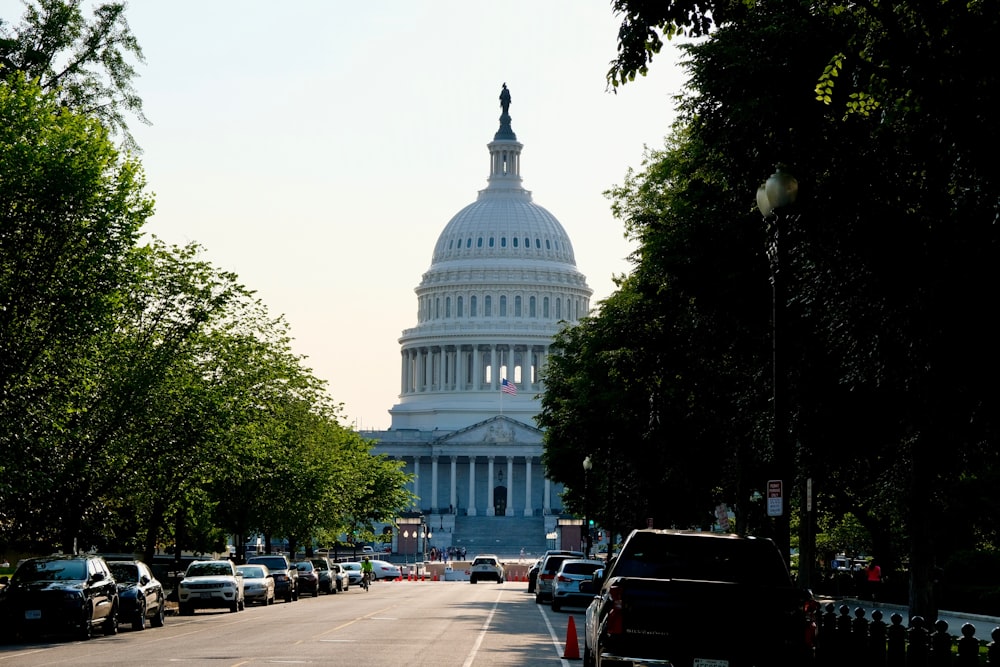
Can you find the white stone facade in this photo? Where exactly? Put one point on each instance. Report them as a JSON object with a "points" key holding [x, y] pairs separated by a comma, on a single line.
{"points": [[502, 282]]}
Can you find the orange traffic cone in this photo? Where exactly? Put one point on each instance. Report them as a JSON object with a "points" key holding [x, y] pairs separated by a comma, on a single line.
{"points": [[572, 651]]}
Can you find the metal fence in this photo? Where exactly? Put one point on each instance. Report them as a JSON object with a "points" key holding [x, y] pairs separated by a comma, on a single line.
{"points": [[851, 638]]}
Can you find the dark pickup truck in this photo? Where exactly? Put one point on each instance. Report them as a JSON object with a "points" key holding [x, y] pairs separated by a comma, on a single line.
{"points": [[691, 599]]}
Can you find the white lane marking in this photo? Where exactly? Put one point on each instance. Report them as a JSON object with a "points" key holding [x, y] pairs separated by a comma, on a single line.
{"points": [[552, 633]]}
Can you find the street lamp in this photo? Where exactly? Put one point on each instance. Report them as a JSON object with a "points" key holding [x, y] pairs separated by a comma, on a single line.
{"points": [[587, 466], [773, 199]]}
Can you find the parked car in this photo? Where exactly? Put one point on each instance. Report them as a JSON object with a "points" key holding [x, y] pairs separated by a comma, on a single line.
{"points": [[341, 577], [546, 573], [353, 571], [383, 569], [210, 584], [140, 594], [60, 594], [286, 577], [566, 584], [656, 602], [308, 578], [533, 570], [486, 566], [258, 584], [327, 574]]}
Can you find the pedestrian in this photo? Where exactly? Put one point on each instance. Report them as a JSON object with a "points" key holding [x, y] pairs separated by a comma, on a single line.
{"points": [[873, 578]]}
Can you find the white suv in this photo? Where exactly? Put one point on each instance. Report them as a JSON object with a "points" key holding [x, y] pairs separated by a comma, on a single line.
{"points": [[210, 584], [486, 566]]}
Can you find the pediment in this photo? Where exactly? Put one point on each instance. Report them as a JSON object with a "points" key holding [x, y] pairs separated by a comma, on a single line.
{"points": [[494, 431]]}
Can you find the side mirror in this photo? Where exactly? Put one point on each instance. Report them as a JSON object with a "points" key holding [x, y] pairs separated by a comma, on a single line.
{"points": [[143, 580], [595, 583], [98, 576]]}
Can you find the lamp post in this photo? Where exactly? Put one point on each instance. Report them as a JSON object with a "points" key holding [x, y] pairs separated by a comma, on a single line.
{"points": [[587, 466], [773, 199]]}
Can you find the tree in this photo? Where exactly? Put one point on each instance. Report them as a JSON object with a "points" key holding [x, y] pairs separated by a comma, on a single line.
{"points": [[84, 64], [881, 111], [70, 210]]}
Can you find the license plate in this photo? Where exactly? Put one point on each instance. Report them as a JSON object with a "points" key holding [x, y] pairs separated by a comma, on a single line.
{"points": [[206, 595], [707, 662], [32, 614]]}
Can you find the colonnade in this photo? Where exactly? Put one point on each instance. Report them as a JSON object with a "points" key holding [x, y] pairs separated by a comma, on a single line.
{"points": [[474, 367], [516, 482]]}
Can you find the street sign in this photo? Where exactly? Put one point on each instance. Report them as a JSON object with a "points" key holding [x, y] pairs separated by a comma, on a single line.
{"points": [[775, 492]]}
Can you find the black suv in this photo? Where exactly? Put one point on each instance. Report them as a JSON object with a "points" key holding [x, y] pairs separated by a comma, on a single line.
{"points": [[286, 577], [60, 594]]}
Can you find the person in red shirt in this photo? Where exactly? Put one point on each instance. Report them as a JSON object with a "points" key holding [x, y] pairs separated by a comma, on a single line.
{"points": [[873, 578]]}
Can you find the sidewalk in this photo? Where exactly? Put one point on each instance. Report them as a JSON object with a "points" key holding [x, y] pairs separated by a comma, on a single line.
{"points": [[955, 619]]}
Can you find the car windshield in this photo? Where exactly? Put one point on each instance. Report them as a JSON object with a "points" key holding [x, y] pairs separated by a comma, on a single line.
{"points": [[209, 569], [125, 573], [351, 566], [273, 563], [702, 558], [581, 568], [552, 563], [52, 570], [304, 567], [320, 565], [252, 572], [485, 561]]}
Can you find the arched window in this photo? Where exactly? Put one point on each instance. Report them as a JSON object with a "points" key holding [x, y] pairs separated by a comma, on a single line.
{"points": [[503, 241], [458, 307], [538, 244], [517, 306], [531, 307], [479, 242], [437, 308], [488, 306], [527, 242], [492, 242], [503, 306], [468, 242], [447, 306], [514, 240], [472, 306], [545, 307], [548, 244], [558, 308]]}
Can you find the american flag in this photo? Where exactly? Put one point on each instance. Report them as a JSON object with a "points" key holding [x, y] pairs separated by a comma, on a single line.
{"points": [[508, 387]]}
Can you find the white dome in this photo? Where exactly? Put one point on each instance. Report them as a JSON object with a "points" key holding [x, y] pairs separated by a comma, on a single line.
{"points": [[502, 282]]}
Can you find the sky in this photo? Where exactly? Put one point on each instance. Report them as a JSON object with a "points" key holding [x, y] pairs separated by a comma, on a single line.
{"points": [[318, 148]]}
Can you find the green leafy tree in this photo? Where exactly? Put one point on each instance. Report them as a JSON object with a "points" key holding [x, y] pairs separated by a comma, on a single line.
{"points": [[881, 112], [70, 210], [85, 64]]}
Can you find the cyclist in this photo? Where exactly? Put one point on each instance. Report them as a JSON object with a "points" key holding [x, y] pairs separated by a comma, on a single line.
{"points": [[366, 572]]}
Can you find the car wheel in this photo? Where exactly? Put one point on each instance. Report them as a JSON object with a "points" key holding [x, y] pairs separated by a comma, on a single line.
{"points": [[139, 620], [268, 600], [538, 598], [157, 621], [588, 657], [288, 596], [86, 629], [242, 604], [556, 606], [316, 592], [234, 607], [111, 622], [472, 580]]}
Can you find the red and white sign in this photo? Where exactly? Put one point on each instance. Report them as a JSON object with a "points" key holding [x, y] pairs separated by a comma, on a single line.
{"points": [[775, 493]]}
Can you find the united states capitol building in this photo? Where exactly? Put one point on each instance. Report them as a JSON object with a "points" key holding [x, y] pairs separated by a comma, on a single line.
{"points": [[501, 283]]}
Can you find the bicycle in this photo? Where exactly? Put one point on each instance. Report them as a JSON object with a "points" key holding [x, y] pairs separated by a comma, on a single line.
{"points": [[366, 580]]}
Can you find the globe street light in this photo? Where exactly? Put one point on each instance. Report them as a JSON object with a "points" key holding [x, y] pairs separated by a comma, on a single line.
{"points": [[587, 465], [773, 199]]}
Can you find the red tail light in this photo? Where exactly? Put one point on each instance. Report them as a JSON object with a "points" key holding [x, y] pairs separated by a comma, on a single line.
{"points": [[546, 576], [615, 624], [564, 579]]}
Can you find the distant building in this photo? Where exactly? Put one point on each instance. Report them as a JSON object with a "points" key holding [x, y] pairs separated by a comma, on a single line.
{"points": [[502, 282]]}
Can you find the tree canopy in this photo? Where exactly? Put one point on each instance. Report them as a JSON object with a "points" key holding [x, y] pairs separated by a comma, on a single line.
{"points": [[879, 111]]}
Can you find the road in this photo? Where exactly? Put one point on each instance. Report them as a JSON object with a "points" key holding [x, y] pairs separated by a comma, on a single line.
{"points": [[439, 624]]}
